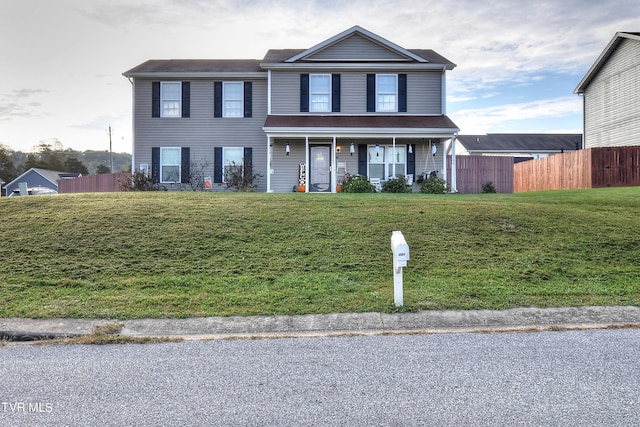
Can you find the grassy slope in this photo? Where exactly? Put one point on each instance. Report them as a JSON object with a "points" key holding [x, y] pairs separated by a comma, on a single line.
{"points": [[124, 255]]}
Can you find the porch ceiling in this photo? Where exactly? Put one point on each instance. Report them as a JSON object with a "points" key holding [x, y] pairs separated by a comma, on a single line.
{"points": [[364, 124]]}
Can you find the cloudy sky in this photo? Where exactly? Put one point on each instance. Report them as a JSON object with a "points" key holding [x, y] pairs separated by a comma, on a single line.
{"points": [[518, 62]]}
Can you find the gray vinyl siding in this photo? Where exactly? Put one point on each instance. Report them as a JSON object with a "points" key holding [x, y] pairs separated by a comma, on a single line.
{"points": [[201, 131], [286, 168], [424, 92], [356, 48], [612, 108]]}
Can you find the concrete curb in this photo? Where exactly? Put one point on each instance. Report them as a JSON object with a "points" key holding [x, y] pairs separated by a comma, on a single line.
{"points": [[335, 324]]}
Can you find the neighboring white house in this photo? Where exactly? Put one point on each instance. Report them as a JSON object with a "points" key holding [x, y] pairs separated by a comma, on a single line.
{"points": [[610, 92]]}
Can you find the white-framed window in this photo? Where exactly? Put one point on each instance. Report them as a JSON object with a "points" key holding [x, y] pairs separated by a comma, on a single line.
{"points": [[170, 99], [320, 92], [170, 164], [387, 93], [382, 159], [232, 93], [232, 160]]}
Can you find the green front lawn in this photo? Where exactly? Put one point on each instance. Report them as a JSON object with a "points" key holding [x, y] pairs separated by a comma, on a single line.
{"points": [[185, 254]]}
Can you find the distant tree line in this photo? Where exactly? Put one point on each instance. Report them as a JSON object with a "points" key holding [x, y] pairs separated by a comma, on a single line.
{"points": [[53, 156]]}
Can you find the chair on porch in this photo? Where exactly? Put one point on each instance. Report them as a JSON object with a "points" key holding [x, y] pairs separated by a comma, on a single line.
{"points": [[376, 183]]}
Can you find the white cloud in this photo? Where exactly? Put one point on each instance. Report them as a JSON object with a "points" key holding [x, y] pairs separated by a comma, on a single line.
{"points": [[506, 118]]}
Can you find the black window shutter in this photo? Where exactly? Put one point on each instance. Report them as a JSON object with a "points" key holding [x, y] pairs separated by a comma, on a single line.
{"points": [[335, 93], [371, 93], [402, 93], [155, 99], [217, 100], [248, 99], [185, 165], [155, 163], [186, 99], [304, 93], [217, 164], [248, 159], [362, 159], [411, 161]]}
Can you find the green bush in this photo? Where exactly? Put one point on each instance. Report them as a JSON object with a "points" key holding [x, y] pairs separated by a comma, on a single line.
{"points": [[433, 185], [357, 184], [488, 187], [396, 185]]}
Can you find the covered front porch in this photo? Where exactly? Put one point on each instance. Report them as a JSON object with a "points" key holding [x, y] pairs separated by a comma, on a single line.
{"points": [[316, 163], [314, 153]]}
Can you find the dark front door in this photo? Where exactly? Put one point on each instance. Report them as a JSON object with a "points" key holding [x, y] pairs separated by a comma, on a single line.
{"points": [[320, 168]]}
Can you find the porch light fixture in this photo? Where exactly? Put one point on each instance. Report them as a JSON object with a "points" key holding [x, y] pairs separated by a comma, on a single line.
{"points": [[338, 149], [433, 150], [352, 148], [287, 149], [377, 150], [410, 149]]}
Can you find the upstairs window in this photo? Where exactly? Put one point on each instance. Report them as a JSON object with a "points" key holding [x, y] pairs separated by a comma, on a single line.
{"points": [[170, 99], [232, 99], [387, 93], [171, 94], [320, 92]]}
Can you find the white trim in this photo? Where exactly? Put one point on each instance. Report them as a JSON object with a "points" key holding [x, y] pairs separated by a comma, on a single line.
{"points": [[269, 82], [443, 94]]}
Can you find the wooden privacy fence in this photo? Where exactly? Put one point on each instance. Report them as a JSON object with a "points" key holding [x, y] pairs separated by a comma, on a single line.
{"points": [[103, 183], [472, 172], [590, 168]]}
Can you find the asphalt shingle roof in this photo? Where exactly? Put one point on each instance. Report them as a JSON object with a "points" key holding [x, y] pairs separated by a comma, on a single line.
{"points": [[516, 142]]}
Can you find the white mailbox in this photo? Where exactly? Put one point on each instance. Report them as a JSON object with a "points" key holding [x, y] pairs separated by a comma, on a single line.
{"points": [[400, 251]]}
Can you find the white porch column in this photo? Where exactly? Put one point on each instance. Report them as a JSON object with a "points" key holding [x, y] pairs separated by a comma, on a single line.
{"points": [[334, 166], [454, 185], [269, 153], [393, 168], [306, 163]]}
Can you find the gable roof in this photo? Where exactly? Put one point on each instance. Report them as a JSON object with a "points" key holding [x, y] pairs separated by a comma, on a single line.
{"points": [[603, 58], [520, 142], [387, 51], [355, 30]]}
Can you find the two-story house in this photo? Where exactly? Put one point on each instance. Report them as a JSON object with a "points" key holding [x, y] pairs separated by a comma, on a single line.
{"points": [[355, 103]]}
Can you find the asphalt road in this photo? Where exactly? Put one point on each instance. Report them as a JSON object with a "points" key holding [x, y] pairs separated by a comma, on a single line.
{"points": [[575, 378]]}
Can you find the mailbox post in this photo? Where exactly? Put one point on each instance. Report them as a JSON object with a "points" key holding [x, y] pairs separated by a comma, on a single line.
{"points": [[400, 251]]}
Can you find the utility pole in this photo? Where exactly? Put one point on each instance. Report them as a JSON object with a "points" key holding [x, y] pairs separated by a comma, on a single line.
{"points": [[110, 152]]}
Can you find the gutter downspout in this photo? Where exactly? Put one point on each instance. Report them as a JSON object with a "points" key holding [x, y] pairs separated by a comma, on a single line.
{"points": [[133, 124]]}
